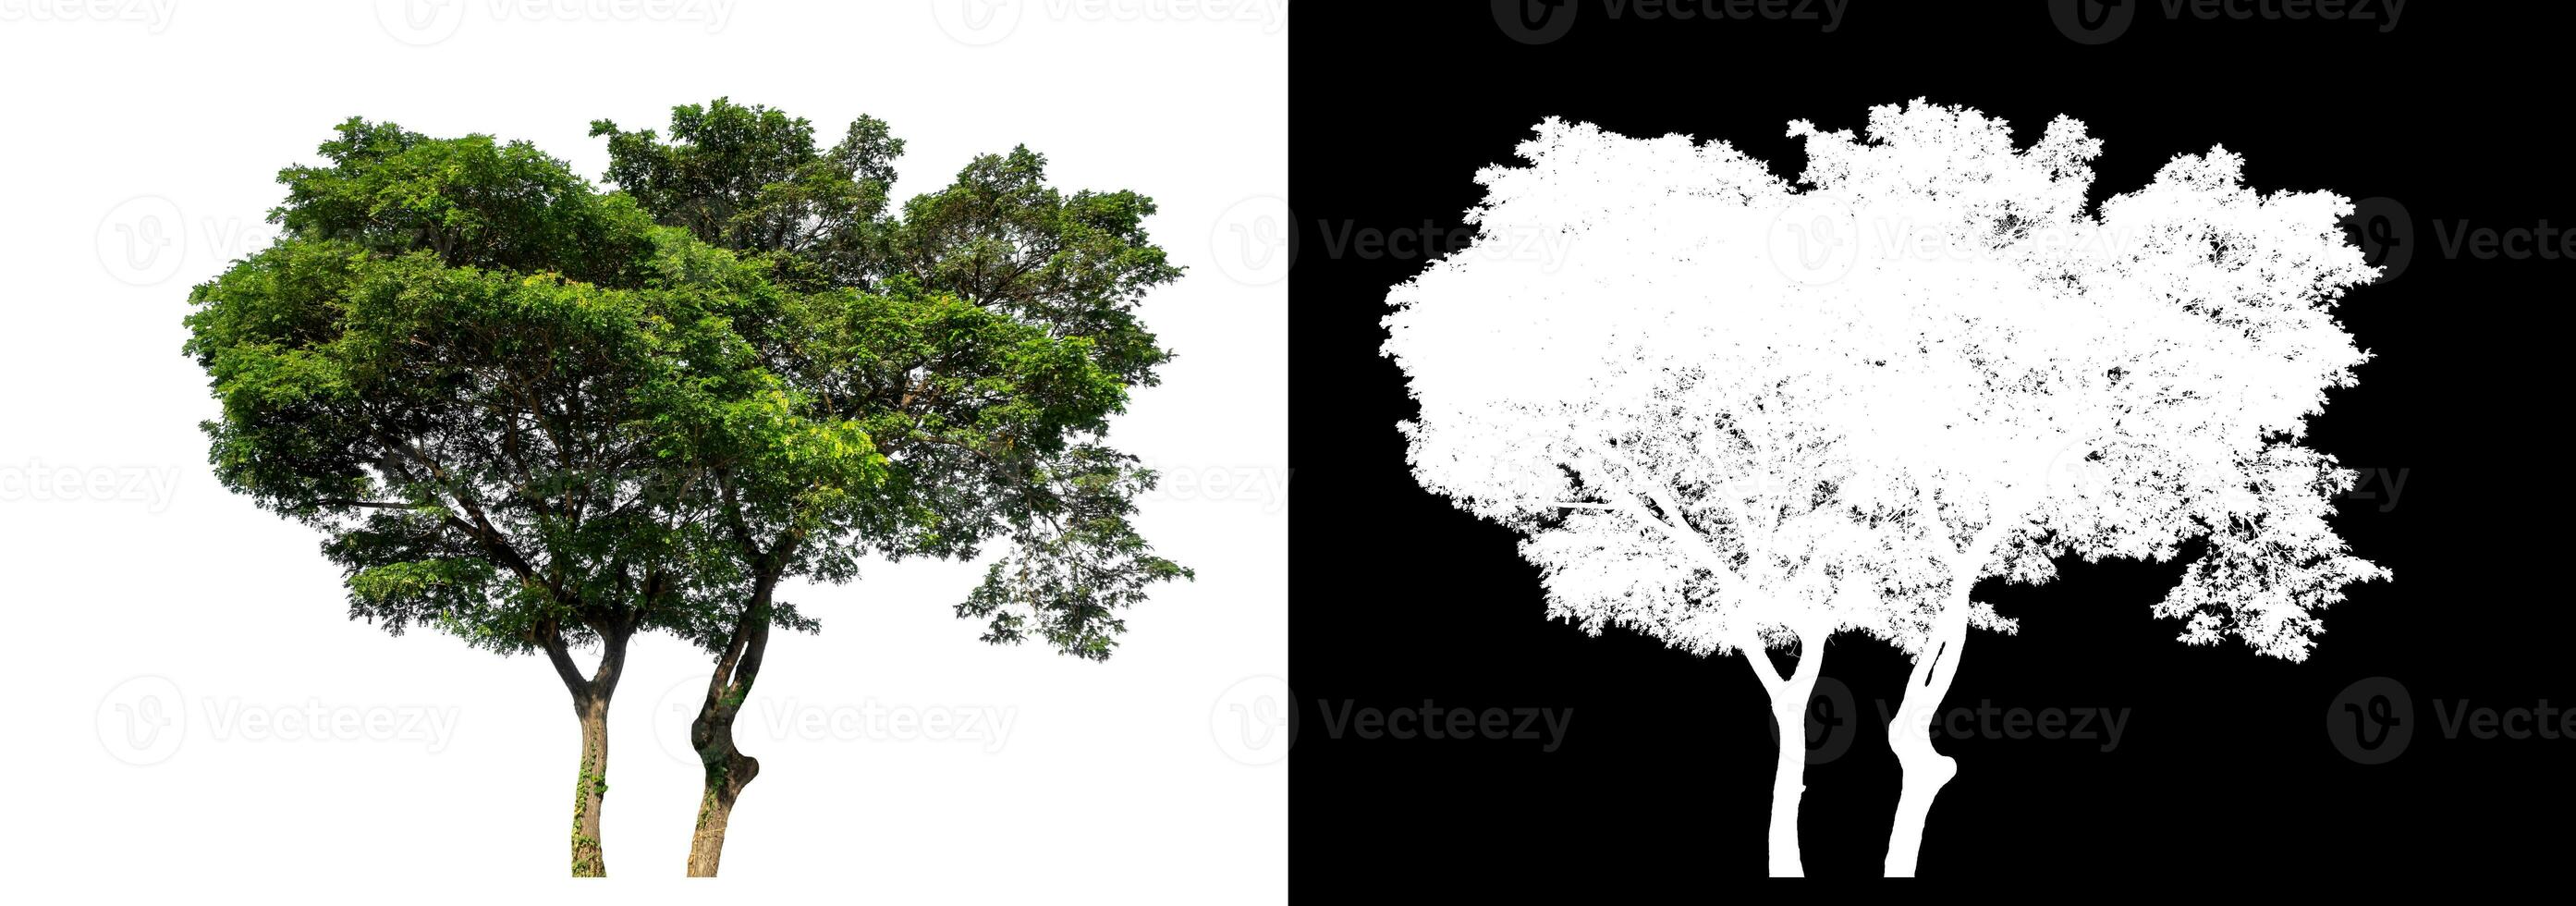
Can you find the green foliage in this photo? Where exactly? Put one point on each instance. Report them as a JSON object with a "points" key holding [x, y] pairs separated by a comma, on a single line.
{"points": [[982, 339], [1079, 562], [473, 201], [517, 405], [750, 178], [418, 368]]}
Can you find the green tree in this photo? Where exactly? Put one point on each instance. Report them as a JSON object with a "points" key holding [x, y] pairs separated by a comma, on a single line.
{"points": [[545, 418], [458, 363], [979, 341]]}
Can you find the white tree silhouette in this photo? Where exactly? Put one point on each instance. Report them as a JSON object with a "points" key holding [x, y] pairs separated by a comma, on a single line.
{"points": [[2109, 385], [1680, 468], [1740, 415]]}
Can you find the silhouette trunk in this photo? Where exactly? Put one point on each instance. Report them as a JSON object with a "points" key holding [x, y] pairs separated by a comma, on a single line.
{"points": [[1789, 702], [1925, 769]]}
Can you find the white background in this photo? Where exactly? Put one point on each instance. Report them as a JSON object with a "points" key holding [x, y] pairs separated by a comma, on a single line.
{"points": [[139, 152]]}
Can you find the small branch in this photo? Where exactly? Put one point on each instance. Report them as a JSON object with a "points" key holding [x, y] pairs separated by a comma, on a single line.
{"points": [[370, 504], [1760, 657], [550, 638]]}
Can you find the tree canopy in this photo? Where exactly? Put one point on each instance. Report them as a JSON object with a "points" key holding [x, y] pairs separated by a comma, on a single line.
{"points": [[539, 416], [1741, 411]]}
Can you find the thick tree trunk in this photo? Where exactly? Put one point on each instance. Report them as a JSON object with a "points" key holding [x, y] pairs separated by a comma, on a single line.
{"points": [[590, 791], [1909, 734], [590, 699], [727, 772], [727, 769]]}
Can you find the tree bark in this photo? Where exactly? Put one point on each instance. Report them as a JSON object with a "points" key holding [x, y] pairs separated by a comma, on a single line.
{"points": [[590, 700], [590, 790], [728, 771]]}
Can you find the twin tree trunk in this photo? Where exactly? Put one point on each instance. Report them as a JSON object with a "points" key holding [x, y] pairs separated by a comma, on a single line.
{"points": [[1789, 701], [590, 698], [727, 769]]}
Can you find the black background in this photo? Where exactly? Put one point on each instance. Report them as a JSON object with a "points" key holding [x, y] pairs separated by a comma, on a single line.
{"points": [[2225, 765]]}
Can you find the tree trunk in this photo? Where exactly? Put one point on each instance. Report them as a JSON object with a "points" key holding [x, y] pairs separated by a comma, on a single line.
{"points": [[727, 772], [590, 791], [590, 699], [1909, 734], [727, 769], [1788, 785], [1789, 702]]}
